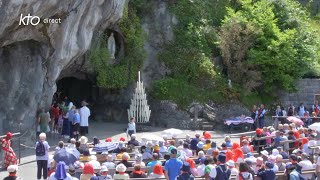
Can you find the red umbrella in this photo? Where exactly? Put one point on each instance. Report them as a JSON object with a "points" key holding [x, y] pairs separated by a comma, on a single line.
{"points": [[295, 120]]}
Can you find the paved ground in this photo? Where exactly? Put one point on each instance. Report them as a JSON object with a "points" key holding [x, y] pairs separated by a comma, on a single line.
{"points": [[101, 130]]}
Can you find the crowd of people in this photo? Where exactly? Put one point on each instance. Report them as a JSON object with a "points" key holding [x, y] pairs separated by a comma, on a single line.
{"points": [[262, 157], [258, 114], [287, 148], [64, 118]]}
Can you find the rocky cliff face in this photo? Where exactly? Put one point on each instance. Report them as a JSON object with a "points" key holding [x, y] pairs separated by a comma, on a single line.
{"points": [[33, 56]]}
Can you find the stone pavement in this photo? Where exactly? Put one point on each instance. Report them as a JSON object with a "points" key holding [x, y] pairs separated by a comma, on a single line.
{"points": [[102, 130]]}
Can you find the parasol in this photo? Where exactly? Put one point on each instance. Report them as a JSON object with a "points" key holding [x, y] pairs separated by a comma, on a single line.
{"points": [[172, 132], [295, 120]]}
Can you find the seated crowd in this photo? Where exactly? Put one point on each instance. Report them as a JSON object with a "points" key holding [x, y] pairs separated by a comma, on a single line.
{"points": [[197, 157]]}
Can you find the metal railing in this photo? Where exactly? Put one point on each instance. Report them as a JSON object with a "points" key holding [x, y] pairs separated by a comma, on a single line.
{"points": [[18, 148]]}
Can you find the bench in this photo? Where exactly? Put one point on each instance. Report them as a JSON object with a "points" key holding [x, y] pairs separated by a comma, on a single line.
{"points": [[206, 126]]}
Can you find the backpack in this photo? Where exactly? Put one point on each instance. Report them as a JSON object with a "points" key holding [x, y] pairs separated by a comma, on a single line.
{"points": [[40, 149], [243, 177], [225, 173]]}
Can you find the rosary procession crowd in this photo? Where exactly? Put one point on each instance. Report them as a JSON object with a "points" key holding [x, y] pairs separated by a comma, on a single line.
{"points": [[187, 158], [287, 151]]}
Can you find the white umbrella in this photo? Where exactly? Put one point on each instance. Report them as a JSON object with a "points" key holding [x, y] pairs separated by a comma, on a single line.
{"points": [[172, 132], [151, 137], [315, 126]]}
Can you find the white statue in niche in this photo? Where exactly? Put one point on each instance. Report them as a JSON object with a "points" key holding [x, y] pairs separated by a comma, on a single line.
{"points": [[112, 46]]}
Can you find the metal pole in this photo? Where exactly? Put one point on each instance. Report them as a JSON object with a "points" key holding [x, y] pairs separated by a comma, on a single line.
{"points": [[19, 143], [19, 149]]}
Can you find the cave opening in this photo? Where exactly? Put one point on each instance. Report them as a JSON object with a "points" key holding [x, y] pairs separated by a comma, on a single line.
{"points": [[75, 89]]}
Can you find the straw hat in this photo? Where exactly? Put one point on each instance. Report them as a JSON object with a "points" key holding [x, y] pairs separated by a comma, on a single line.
{"points": [[83, 140]]}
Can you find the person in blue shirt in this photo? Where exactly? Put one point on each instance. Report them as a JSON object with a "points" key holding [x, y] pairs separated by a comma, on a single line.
{"points": [[261, 113], [76, 124], [266, 172], [155, 160], [173, 166], [277, 139], [194, 143]]}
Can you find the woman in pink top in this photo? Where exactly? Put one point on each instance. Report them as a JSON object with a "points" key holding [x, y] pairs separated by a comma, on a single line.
{"points": [[267, 133]]}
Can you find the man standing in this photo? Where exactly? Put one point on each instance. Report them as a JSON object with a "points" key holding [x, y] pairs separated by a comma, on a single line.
{"points": [[301, 110], [315, 107], [131, 127], [193, 143], [173, 166], [43, 120], [84, 118], [70, 118], [261, 113], [42, 149], [277, 119]]}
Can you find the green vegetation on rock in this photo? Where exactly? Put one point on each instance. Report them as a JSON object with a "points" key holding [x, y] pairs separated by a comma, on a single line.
{"points": [[116, 76], [265, 46], [193, 76]]}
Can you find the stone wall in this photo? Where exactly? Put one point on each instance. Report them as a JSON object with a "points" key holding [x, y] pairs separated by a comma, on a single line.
{"points": [[306, 89]]}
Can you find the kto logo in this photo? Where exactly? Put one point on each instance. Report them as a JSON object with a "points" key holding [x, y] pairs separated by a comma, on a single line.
{"points": [[26, 20]]}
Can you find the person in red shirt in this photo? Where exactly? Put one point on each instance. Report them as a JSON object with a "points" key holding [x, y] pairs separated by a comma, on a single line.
{"points": [[55, 111]]}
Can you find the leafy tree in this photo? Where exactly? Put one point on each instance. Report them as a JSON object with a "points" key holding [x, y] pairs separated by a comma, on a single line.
{"points": [[280, 51]]}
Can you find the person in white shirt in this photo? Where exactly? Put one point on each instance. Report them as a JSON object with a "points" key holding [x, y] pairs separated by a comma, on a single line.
{"points": [[305, 165], [231, 166], [84, 118], [201, 167], [279, 162], [186, 150], [131, 127]]}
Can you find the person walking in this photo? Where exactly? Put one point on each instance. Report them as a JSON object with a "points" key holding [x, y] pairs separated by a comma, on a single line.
{"points": [[56, 112], [42, 149], [43, 122], [84, 118], [131, 127], [10, 157], [70, 118], [76, 124], [173, 166]]}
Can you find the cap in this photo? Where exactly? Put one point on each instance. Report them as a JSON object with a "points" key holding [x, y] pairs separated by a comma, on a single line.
{"points": [[174, 151], [12, 168]]}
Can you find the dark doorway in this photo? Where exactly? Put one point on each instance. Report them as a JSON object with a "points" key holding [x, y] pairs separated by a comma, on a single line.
{"points": [[75, 89]]}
